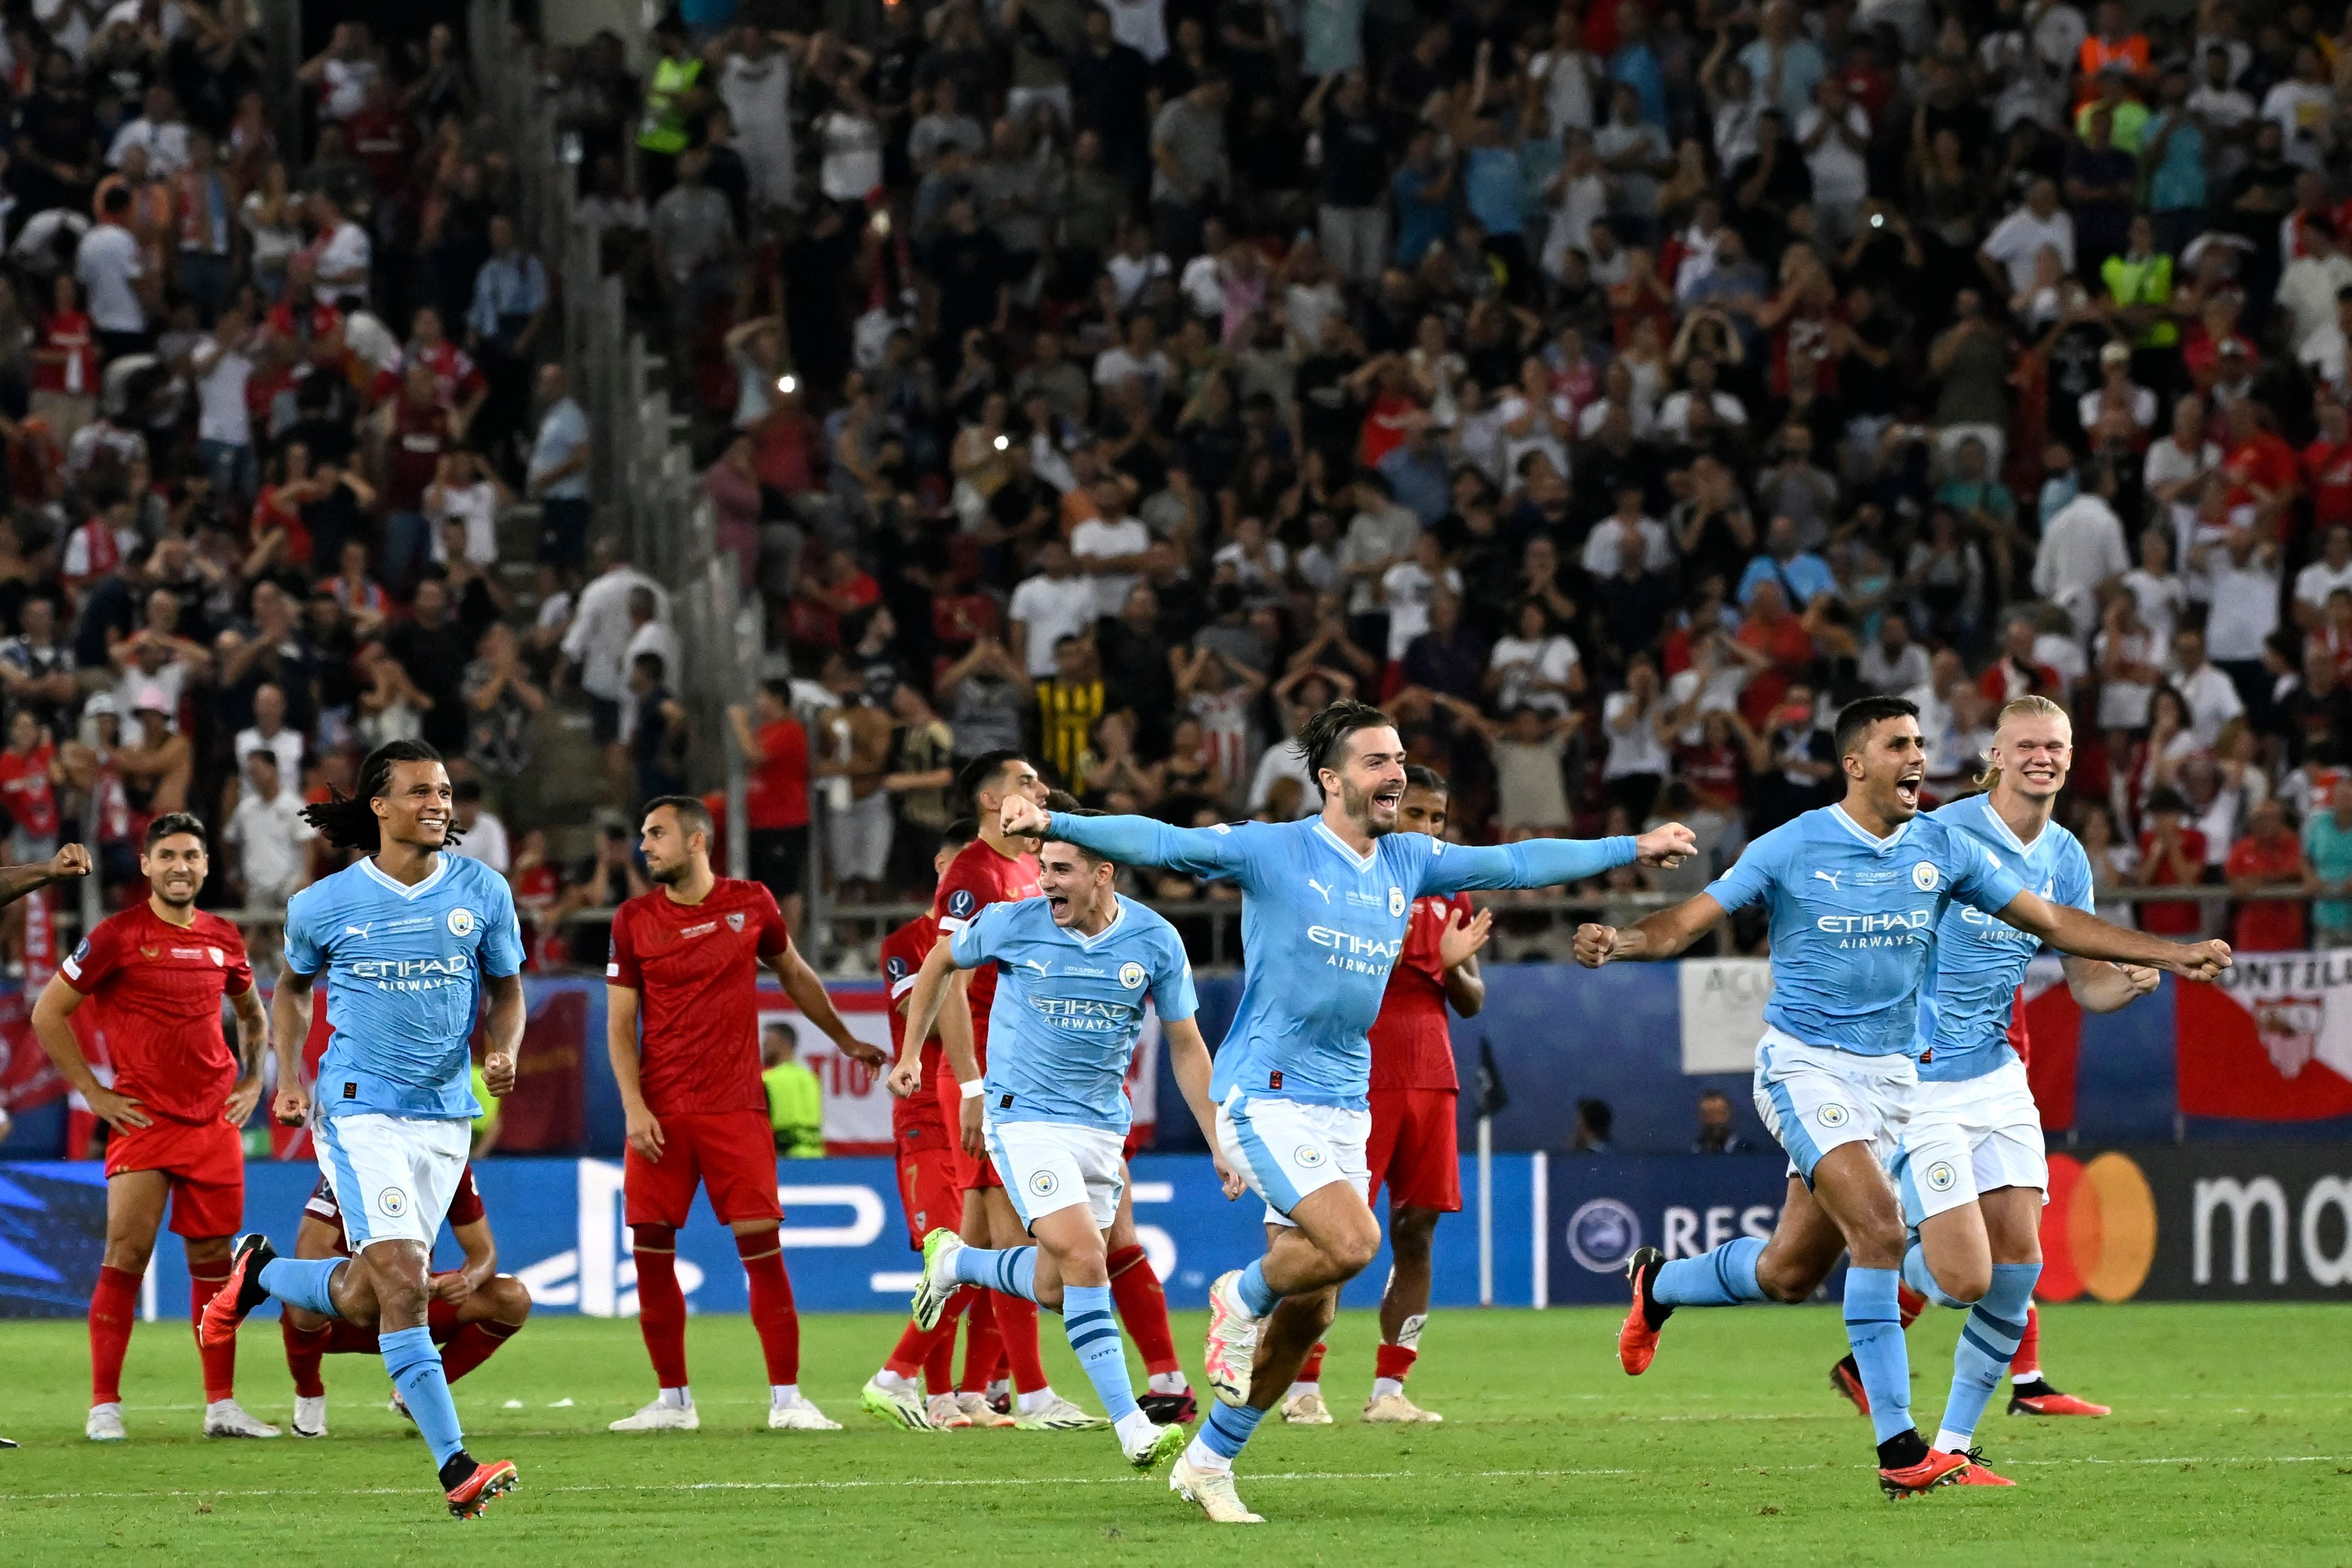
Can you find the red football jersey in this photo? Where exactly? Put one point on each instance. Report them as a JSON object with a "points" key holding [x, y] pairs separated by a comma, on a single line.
{"points": [[27, 792], [158, 989], [696, 968], [1412, 1047], [903, 952], [976, 878], [464, 1207], [2020, 1037]]}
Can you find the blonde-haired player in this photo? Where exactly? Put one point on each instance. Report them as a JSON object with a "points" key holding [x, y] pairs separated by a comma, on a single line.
{"points": [[1970, 1167]]}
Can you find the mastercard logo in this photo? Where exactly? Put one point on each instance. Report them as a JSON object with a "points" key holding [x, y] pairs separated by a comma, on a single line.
{"points": [[2098, 1231]]}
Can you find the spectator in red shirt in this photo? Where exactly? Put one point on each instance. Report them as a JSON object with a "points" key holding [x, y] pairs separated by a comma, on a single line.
{"points": [[2017, 673], [2269, 855], [1770, 630], [2327, 468], [2171, 854], [776, 795], [2263, 473]]}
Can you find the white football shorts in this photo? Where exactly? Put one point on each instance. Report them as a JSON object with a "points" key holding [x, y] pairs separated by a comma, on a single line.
{"points": [[1049, 1166], [393, 1176], [1286, 1149], [1969, 1138], [1814, 1099]]}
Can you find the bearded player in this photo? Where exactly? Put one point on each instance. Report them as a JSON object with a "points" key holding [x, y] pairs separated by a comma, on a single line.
{"points": [[1857, 892], [685, 966], [1970, 1167], [157, 974], [474, 1310], [1412, 1151], [930, 1191]]}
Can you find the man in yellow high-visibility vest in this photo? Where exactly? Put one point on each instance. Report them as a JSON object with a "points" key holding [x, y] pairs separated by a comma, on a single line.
{"points": [[674, 93], [795, 1102]]}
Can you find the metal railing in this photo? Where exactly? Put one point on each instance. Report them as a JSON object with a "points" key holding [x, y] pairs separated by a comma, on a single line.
{"points": [[646, 488]]}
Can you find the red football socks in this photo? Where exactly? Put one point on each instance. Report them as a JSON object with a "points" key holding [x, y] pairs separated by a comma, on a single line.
{"points": [[982, 1344], [1909, 1303], [931, 1355], [1311, 1371], [661, 1305], [473, 1344], [1143, 1310], [1016, 1327], [1393, 1361], [772, 1312], [2028, 1359], [305, 1348], [220, 1360], [113, 1308]]}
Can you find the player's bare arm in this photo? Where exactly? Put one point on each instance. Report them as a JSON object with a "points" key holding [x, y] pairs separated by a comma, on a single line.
{"points": [[2101, 988], [1661, 935], [290, 1026], [50, 1014], [645, 1133], [252, 1040], [2070, 930], [70, 861], [480, 1266], [939, 1000], [1188, 1058], [505, 1043], [1457, 954], [808, 991]]}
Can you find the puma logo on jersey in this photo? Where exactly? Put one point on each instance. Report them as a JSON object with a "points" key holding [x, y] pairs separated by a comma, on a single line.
{"points": [[1831, 878], [1320, 889], [360, 932]]}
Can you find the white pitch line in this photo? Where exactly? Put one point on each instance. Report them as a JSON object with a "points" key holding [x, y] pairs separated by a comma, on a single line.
{"points": [[937, 1483]]}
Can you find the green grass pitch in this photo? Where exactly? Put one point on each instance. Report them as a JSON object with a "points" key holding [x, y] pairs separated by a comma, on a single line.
{"points": [[2231, 1444]]}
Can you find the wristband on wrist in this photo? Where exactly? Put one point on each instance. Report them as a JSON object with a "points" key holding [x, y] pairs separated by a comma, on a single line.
{"points": [[973, 1089]]}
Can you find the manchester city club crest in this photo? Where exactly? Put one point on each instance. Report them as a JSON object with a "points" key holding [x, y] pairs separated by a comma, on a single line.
{"points": [[1925, 877], [1131, 976], [1309, 1157], [1833, 1115], [1940, 1176], [1042, 1183], [1396, 902], [391, 1203], [461, 922]]}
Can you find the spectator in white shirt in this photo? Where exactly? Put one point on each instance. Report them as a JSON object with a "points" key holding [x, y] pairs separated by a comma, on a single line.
{"points": [[112, 270], [2324, 576], [2326, 352], [2081, 549], [2309, 289], [160, 130], [345, 254], [1627, 528], [2245, 609], [1409, 586], [220, 371], [2304, 109], [485, 834], [1834, 133], [597, 642], [2118, 408], [271, 838], [2211, 698], [2009, 251], [1891, 663], [270, 732], [1109, 547], [1056, 603], [2156, 586]]}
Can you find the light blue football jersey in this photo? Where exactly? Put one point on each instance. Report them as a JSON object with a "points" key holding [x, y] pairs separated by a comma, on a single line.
{"points": [[402, 968], [1980, 961], [1855, 920], [1321, 928], [1069, 1008]]}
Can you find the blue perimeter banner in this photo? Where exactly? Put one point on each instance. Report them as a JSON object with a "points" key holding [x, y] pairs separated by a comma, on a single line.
{"points": [[558, 1224], [1606, 1207]]}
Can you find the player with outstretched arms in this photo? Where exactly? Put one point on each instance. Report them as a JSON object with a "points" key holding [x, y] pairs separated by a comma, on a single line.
{"points": [[685, 964], [1413, 1151], [411, 940], [1970, 1169], [156, 975], [1325, 907], [1077, 966], [474, 1311], [930, 1189], [1857, 892]]}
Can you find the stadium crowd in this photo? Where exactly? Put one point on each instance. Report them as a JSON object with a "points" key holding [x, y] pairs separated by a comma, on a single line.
{"points": [[1613, 392]]}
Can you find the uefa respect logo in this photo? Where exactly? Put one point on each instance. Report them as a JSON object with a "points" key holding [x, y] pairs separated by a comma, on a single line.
{"points": [[1603, 1233]]}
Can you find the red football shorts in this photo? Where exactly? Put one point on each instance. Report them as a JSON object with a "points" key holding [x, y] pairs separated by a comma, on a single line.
{"points": [[930, 1184], [205, 1160], [971, 1171], [1412, 1149], [731, 1154]]}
